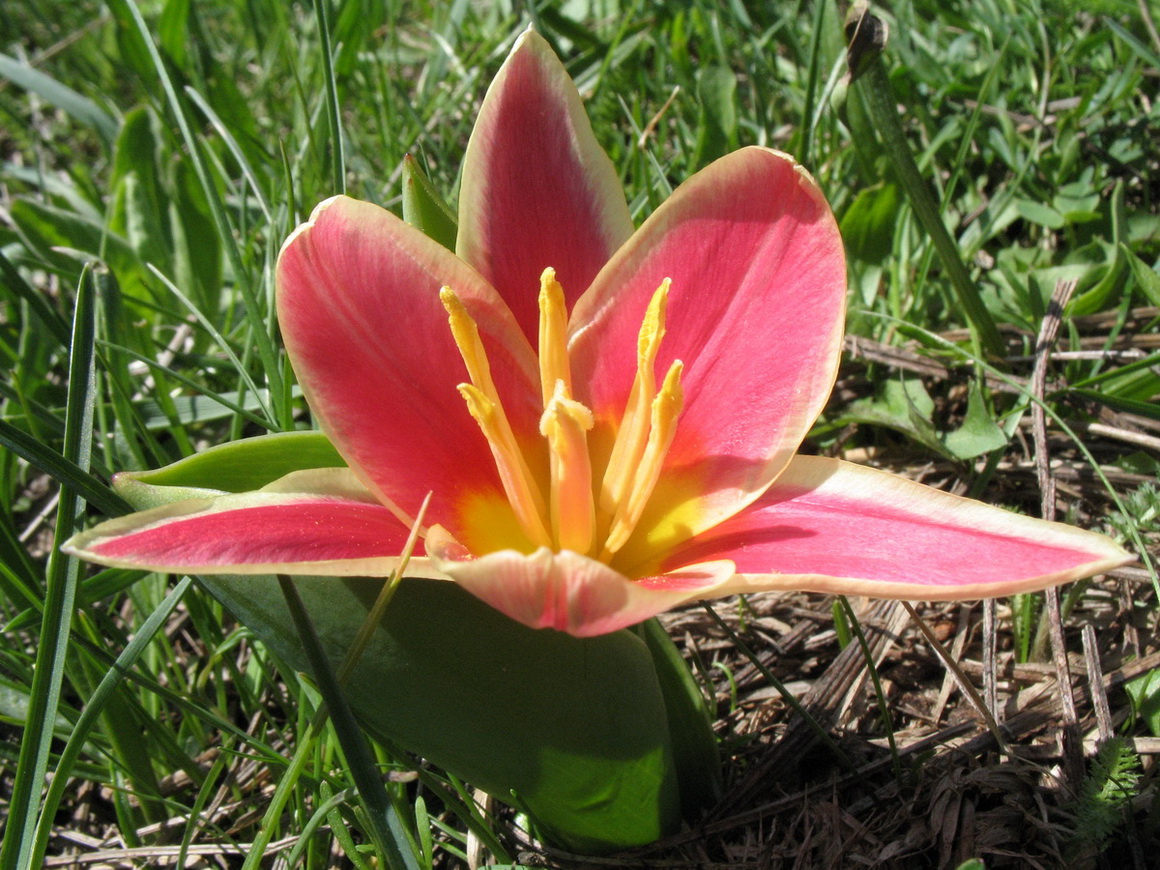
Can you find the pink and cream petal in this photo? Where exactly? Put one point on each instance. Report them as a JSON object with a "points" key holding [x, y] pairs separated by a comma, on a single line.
{"points": [[755, 311], [831, 526], [359, 309], [569, 592], [340, 483], [537, 188], [254, 533]]}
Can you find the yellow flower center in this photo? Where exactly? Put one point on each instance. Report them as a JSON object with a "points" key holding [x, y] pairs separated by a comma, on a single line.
{"points": [[585, 509]]}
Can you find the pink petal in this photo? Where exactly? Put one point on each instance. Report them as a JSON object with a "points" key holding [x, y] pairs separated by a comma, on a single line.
{"points": [[755, 311], [831, 526], [567, 591], [358, 304], [254, 533], [537, 189]]}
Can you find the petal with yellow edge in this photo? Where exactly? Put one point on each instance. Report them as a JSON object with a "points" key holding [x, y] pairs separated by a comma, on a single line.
{"points": [[832, 526], [567, 591], [537, 189], [319, 522], [755, 311], [360, 312]]}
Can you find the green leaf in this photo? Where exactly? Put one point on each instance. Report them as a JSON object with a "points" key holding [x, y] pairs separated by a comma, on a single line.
{"points": [[138, 212], [694, 744], [1146, 278], [1100, 296], [48, 230], [1038, 213], [37, 303], [63, 97], [237, 466], [906, 406], [1144, 691], [62, 575], [424, 209], [868, 230], [979, 433], [868, 224], [15, 704], [60, 469], [173, 31], [197, 248], [1149, 409], [385, 826], [94, 705], [573, 731], [717, 125]]}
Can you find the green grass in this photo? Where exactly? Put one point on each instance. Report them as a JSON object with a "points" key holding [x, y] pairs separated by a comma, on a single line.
{"points": [[148, 177]]}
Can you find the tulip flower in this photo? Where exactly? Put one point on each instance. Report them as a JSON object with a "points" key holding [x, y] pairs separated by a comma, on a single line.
{"points": [[606, 418]]}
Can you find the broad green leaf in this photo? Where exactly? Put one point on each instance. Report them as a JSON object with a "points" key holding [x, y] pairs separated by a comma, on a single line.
{"points": [[1144, 691], [141, 223], [868, 230], [979, 433], [903, 405], [237, 466], [60, 469], [695, 749], [1038, 213], [37, 303], [173, 31], [1146, 278], [14, 706], [138, 212], [717, 124], [67, 240], [424, 209], [868, 224], [1101, 295], [906, 406], [197, 248], [572, 731]]}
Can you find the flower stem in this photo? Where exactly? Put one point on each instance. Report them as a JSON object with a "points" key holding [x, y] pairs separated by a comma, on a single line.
{"points": [[874, 84]]}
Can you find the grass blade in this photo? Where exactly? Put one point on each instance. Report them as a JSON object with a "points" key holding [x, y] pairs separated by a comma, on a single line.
{"points": [[63, 574], [92, 711], [385, 827], [60, 95]]}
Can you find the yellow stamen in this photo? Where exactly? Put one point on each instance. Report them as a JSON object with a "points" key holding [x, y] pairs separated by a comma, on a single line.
{"points": [[573, 517], [466, 334], [484, 404], [665, 410], [633, 434], [564, 425], [522, 493], [554, 365]]}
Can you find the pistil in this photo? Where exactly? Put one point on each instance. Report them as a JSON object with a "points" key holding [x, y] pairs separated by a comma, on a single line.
{"points": [[565, 425], [554, 365]]}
